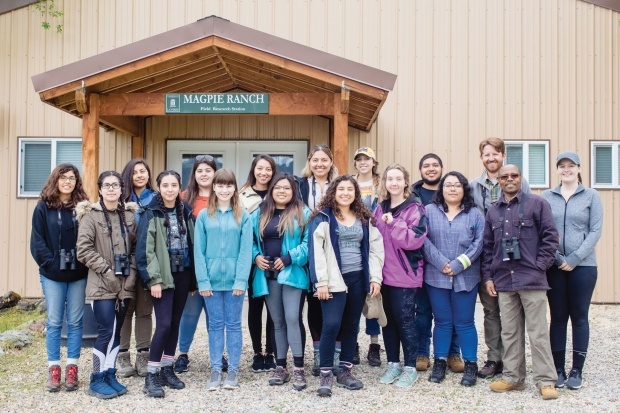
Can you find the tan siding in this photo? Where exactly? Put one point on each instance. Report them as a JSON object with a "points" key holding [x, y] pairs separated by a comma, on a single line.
{"points": [[7, 195]]}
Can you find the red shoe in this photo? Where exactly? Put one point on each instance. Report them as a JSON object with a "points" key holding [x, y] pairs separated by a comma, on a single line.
{"points": [[71, 377], [53, 379]]}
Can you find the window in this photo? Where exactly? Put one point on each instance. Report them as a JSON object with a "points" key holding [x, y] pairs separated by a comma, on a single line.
{"points": [[532, 158], [39, 156], [605, 164]]}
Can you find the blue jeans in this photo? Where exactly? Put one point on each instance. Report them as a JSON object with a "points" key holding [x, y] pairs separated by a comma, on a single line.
{"points": [[189, 320], [61, 296], [424, 325], [372, 327], [454, 311], [224, 310]]}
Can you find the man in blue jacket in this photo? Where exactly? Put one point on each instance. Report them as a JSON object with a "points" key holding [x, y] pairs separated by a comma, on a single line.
{"points": [[520, 241]]}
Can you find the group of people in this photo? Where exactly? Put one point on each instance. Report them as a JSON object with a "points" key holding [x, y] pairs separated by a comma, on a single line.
{"points": [[336, 243]]}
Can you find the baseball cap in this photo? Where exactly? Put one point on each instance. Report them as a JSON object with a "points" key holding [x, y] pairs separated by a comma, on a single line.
{"points": [[571, 156], [365, 151]]}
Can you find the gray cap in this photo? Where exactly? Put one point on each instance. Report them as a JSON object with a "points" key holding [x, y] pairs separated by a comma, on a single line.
{"points": [[571, 156]]}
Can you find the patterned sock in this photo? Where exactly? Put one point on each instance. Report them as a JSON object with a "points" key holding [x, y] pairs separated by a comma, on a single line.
{"points": [[153, 367], [374, 339], [579, 359], [167, 360]]}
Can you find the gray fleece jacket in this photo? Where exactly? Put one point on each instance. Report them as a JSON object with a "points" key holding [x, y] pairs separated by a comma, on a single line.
{"points": [[580, 224]]}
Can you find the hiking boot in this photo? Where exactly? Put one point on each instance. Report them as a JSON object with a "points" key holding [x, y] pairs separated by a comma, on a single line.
{"points": [[407, 378], [152, 385], [125, 369], [549, 392], [561, 381], [439, 371], [325, 385], [280, 376], [346, 379], [168, 378], [502, 386], [392, 372], [100, 388], [224, 364], [356, 355], [142, 361], [110, 378], [181, 364], [258, 363], [470, 376], [71, 377], [422, 363], [316, 369], [231, 382], [299, 379], [53, 379], [215, 381], [455, 364], [574, 380], [491, 369], [374, 355], [270, 362]]}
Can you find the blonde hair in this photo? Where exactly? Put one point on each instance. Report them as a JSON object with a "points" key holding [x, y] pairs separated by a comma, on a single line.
{"points": [[225, 177], [384, 192], [333, 171]]}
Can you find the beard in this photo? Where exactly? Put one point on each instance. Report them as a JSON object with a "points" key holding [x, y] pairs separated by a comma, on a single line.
{"points": [[431, 182]]}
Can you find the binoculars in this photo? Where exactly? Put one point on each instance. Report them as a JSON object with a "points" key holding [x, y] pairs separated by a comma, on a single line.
{"points": [[121, 265], [68, 260], [177, 260], [510, 249], [271, 273]]}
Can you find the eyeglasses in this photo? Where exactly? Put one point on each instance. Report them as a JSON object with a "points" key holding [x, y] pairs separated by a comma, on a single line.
{"points": [[204, 158], [282, 188], [450, 186], [512, 176], [67, 179], [115, 185]]}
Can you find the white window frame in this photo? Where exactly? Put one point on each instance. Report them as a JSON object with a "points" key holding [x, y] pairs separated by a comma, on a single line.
{"points": [[615, 173], [20, 167], [526, 161]]}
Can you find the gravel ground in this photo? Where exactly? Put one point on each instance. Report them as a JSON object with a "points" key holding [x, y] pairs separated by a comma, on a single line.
{"points": [[23, 375]]}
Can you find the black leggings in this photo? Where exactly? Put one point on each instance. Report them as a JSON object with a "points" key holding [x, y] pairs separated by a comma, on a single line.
{"points": [[399, 306], [569, 297], [255, 324], [315, 317], [168, 312], [109, 315]]}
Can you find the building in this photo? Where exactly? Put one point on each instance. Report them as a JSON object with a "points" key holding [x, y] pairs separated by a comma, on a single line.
{"points": [[419, 76]]}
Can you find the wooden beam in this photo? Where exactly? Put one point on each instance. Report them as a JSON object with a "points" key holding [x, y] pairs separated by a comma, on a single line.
{"points": [[90, 147], [80, 100], [138, 143], [344, 99], [132, 104], [127, 124], [300, 103], [341, 136]]}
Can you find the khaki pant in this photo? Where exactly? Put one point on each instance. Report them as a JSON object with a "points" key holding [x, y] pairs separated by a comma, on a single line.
{"points": [[532, 304], [143, 307], [492, 324]]}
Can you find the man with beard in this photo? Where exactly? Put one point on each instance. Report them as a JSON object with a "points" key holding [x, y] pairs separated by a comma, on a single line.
{"points": [[431, 169], [486, 191]]}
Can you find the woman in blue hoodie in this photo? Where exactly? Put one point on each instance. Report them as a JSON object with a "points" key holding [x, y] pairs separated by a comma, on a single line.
{"points": [[578, 215], [223, 253]]}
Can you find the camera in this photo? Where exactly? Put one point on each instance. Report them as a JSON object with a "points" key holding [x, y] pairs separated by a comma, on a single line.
{"points": [[121, 264], [177, 260], [271, 273], [68, 260], [510, 249]]}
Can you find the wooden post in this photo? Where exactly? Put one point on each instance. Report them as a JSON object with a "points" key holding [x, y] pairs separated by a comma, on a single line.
{"points": [[90, 147], [340, 138]]}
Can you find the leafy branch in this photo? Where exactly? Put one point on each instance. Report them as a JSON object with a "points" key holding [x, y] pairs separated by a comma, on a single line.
{"points": [[48, 9]]}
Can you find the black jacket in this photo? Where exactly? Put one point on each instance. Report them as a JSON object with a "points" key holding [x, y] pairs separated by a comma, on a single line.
{"points": [[44, 245]]}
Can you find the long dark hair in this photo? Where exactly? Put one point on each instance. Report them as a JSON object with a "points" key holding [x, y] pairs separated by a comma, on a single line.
{"points": [[192, 190], [127, 175], [121, 203], [252, 178], [50, 193], [358, 208], [468, 199], [178, 203], [294, 210]]}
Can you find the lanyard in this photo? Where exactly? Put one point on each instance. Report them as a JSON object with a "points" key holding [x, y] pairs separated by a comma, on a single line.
{"points": [[314, 192], [60, 225], [521, 203]]}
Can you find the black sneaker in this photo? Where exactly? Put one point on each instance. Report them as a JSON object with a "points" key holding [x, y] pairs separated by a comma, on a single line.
{"points": [[270, 362], [574, 380], [152, 385], [258, 363], [439, 371], [181, 364], [470, 374], [325, 385], [374, 355], [491, 369], [224, 363], [356, 356], [347, 380], [561, 379]]}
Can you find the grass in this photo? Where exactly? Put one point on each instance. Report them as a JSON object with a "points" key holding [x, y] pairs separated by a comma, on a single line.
{"points": [[11, 318]]}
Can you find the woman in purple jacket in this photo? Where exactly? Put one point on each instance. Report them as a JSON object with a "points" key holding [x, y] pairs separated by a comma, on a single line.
{"points": [[402, 223]]}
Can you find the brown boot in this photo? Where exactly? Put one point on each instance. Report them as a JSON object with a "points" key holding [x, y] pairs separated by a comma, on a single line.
{"points": [[71, 377], [422, 363], [53, 379], [142, 361], [456, 364]]}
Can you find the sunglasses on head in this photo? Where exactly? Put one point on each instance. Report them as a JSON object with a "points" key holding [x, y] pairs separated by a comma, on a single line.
{"points": [[511, 176], [204, 158]]}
